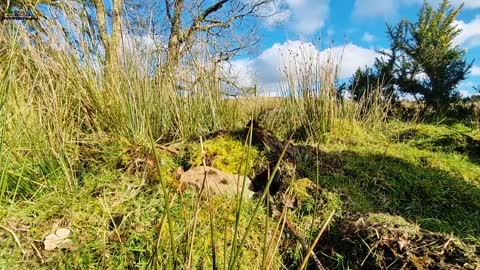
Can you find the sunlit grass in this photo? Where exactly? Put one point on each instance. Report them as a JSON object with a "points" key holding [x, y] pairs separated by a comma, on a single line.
{"points": [[78, 149]]}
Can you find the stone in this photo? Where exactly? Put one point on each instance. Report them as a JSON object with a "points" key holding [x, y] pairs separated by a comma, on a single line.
{"points": [[59, 239], [216, 182]]}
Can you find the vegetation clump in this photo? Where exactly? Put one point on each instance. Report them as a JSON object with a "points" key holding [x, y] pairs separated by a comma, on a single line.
{"points": [[379, 241], [455, 139]]}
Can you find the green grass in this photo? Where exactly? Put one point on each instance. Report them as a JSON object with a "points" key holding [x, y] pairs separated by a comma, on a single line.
{"points": [[432, 185], [115, 218], [78, 150], [439, 190]]}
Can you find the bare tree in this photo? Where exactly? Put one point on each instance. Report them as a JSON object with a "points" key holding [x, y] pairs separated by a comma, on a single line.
{"points": [[226, 20], [188, 29], [87, 22]]}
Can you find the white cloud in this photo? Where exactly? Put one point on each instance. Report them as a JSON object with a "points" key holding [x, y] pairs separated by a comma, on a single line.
{"points": [[240, 72], [351, 57], [386, 8], [308, 16], [472, 4], [367, 37], [466, 88], [470, 35], [297, 56], [304, 17], [466, 93], [475, 71]]}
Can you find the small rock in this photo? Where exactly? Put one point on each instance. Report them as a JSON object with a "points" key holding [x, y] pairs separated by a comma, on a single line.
{"points": [[58, 240], [216, 181], [63, 232]]}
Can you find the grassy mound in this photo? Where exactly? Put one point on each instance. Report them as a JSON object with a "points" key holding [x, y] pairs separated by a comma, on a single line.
{"points": [[448, 139], [118, 218]]}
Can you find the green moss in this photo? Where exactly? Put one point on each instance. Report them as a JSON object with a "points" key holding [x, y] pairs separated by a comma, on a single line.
{"points": [[225, 153], [300, 189]]}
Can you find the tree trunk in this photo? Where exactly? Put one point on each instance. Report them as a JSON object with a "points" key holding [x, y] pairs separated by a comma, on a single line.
{"points": [[109, 42], [173, 57], [116, 31], [175, 38], [102, 25]]}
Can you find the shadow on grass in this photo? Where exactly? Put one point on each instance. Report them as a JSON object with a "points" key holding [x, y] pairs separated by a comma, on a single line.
{"points": [[448, 142], [376, 183]]}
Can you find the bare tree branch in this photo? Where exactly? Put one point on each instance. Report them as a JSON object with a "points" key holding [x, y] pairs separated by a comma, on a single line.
{"points": [[168, 6], [214, 20]]}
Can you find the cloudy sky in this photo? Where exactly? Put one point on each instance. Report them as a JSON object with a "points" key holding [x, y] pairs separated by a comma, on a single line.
{"points": [[350, 30]]}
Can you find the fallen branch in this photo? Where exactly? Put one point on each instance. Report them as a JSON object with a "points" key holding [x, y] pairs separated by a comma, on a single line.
{"points": [[168, 149], [271, 141], [290, 226], [310, 250]]}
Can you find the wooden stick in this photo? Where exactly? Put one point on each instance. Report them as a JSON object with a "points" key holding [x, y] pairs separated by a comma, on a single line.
{"points": [[303, 243], [168, 149], [310, 250]]}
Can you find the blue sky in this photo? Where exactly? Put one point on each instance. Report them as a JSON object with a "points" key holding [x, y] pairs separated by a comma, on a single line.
{"points": [[357, 29]]}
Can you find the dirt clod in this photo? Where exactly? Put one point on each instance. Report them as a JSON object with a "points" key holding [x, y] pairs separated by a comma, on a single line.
{"points": [[215, 181]]}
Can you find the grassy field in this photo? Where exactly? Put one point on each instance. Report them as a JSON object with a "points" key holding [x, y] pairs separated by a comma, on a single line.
{"points": [[85, 150]]}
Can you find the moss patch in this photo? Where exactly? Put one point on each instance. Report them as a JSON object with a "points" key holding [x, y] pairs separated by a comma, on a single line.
{"points": [[225, 153]]}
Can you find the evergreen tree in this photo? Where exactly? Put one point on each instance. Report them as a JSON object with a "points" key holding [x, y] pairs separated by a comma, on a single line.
{"points": [[422, 59], [431, 47]]}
